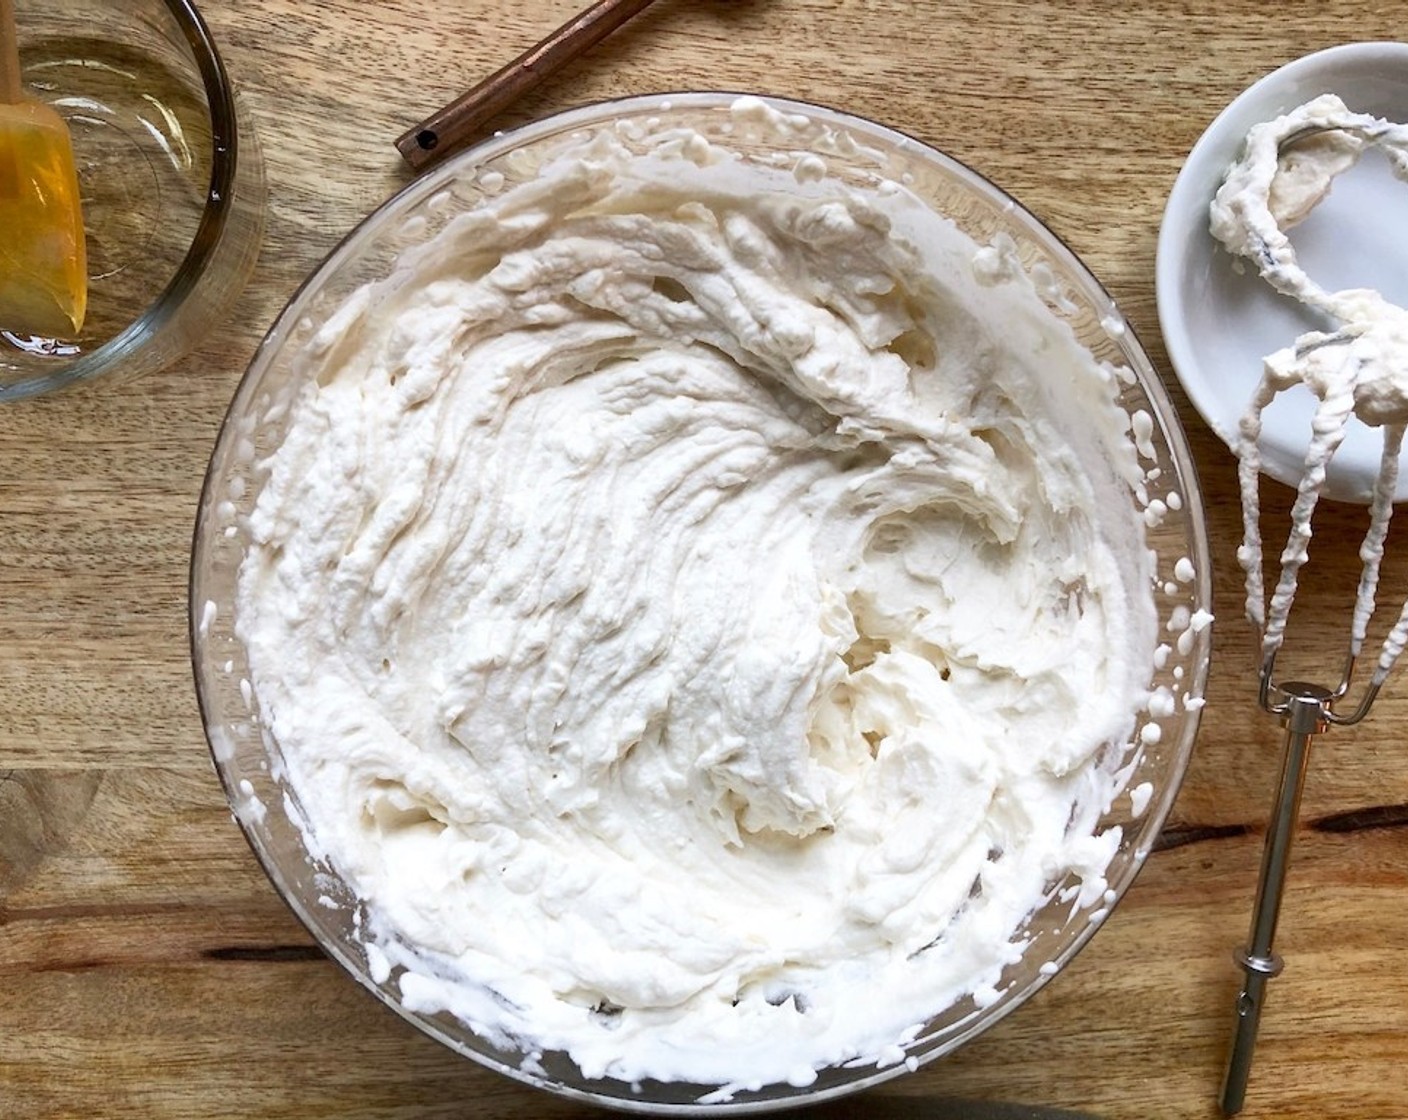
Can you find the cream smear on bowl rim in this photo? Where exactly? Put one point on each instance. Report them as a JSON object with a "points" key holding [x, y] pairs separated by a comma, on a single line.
{"points": [[703, 606]]}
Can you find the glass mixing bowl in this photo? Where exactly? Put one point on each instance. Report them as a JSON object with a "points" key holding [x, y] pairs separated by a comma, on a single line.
{"points": [[247, 756], [170, 177]]}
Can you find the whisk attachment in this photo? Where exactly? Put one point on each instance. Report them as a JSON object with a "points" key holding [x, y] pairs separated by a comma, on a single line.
{"points": [[1358, 368], [1305, 709]]}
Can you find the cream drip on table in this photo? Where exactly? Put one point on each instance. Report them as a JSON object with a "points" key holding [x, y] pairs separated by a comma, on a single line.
{"points": [[1358, 368], [693, 602]]}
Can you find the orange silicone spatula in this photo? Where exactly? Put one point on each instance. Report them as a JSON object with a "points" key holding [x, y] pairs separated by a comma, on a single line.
{"points": [[43, 266]]}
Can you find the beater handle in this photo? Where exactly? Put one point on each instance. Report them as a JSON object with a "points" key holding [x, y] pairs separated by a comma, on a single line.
{"points": [[1305, 714]]}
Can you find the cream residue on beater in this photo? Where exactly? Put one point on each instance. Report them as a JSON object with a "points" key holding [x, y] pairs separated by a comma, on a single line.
{"points": [[701, 608], [1358, 368]]}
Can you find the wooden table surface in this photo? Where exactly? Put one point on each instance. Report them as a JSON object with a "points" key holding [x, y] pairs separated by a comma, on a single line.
{"points": [[148, 969]]}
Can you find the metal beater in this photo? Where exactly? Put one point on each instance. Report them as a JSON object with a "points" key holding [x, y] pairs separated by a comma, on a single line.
{"points": [[1305, 709]]}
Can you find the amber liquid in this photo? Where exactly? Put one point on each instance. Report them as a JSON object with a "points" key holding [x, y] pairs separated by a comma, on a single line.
{"points": [[43, 266], [142, 152]]}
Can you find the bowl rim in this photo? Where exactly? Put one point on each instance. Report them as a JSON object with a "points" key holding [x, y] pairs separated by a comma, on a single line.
{"points": [[1166, 420], [215, 216]]}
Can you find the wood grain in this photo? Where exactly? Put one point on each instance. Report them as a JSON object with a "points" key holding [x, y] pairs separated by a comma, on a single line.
{"points": [[147, 969], [471, 115]]}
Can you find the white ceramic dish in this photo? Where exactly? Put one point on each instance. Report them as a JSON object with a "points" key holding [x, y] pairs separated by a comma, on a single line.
{"points": [[1219, 323]]}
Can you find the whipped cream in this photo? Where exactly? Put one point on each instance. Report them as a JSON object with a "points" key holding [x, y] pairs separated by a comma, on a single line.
{"points": [[1359, 367], [702, 608]]}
